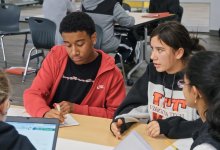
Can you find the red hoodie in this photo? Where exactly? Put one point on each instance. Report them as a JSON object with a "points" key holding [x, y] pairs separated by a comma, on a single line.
{"points": [[104, 97]]}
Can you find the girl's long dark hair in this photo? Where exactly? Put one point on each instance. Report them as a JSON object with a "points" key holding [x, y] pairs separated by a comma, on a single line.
{"points": [[203, 71]]}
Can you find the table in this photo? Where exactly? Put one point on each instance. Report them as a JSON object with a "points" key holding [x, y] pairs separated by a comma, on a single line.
{"points": [[97, 131]]}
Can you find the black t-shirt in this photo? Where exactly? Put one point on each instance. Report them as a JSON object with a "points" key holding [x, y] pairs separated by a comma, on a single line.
{"points": [[76, 81]]}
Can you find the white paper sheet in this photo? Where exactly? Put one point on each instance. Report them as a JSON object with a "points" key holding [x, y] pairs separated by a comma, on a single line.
{"points": [[181, 144], [69, 121], [13, 111], [133, 142], [65, 144]]}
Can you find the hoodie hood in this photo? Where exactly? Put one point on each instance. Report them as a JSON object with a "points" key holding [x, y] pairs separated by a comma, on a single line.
{"points": [[8, 135], [91, 4]]}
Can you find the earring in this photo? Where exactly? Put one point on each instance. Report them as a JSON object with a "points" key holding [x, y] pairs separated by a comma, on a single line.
{"points": [[195, 101]]}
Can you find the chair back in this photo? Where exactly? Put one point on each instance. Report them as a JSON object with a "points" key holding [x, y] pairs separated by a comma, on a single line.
{"points": [[180, 14], [99, 33], [42, 32], [9, 17]]}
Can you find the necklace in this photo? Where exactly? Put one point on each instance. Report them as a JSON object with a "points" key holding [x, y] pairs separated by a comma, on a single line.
{"points": [[174, 77]]}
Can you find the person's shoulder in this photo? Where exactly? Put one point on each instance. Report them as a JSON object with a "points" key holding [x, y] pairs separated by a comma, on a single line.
{"points": [[7, 129], [204, 146], [108, 63], [106, 58], [4, 125], [58, 51]]}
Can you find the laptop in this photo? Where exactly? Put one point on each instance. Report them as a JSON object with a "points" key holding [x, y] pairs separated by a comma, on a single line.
{"points": [[42, 132]]}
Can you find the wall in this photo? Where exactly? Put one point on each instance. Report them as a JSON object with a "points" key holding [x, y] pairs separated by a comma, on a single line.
{"points": [[214, 17], [196, 16]]}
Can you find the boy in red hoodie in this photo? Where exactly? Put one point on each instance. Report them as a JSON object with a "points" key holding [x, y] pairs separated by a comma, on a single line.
{"points": [[79, 78]]}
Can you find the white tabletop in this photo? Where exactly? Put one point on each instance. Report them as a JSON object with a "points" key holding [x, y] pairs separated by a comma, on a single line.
{"points": [[139, 19]]}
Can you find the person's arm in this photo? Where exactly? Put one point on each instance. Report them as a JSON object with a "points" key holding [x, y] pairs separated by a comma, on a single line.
{"points": [[121, 16], [35, 96], [134, 107], [114, 96], [177, 127]]}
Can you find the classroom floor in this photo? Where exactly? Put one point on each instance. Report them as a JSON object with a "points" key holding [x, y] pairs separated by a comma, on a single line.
{"points": [[14, 46]]}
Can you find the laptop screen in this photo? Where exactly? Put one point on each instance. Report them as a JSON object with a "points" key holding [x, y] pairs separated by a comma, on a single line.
{"points": [[41, 132]]}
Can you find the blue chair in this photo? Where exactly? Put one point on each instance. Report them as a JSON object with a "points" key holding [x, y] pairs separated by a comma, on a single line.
{"points": [[9, 25], [43, 36]]}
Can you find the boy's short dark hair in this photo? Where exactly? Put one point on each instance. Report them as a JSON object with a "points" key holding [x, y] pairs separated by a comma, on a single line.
{"points": [[77, 21]]}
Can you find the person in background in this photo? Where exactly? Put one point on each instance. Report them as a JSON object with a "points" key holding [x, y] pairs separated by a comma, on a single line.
{"points": [[56, 10], [158, 93], [9, 136], [76, 76], [107, 13], [160, 6], [201, 89], [171, 6]]}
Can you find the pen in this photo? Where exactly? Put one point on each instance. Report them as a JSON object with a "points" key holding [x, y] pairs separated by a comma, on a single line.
{"points": [[57, 106]]}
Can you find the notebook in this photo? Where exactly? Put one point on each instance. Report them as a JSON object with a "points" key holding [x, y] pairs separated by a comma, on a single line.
{"points": [[42, 132]]}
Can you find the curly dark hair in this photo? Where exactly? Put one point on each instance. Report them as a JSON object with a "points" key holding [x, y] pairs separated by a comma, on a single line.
{"points": [[77, 21]]}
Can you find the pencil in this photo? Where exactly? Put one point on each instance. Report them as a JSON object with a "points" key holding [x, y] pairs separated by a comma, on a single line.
{"points": [[57, 106]]}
